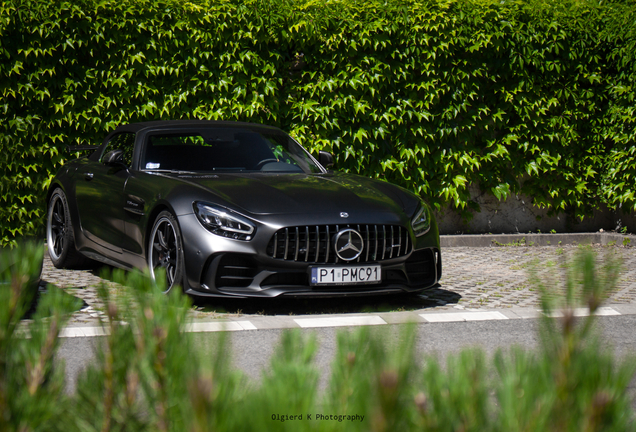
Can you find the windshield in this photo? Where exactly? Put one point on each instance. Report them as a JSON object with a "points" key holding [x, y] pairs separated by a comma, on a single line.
{"points": [[225, 149]]}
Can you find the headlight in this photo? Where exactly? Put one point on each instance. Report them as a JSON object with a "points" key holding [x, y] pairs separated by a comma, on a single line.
{"points": [[224, 223], [421, 222]]}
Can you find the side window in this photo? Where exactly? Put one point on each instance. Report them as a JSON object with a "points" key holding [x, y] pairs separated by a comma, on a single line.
{"points": [[124, 141]]}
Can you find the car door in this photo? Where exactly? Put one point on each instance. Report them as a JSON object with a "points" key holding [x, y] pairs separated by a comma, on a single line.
{"points": [[100, 194]]}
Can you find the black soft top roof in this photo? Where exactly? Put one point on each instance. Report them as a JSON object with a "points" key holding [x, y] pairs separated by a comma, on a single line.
{"points": [[163, 124], [177, 124]]}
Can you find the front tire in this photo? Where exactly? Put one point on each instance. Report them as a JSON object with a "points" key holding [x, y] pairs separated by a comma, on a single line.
{"points": [[59, 233], [165, 249]]}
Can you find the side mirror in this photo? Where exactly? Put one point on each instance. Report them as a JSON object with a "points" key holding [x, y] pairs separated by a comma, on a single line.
{"points": [[114, 157], [325, 158]]}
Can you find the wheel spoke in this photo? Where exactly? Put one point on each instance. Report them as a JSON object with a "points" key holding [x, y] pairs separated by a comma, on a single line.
{"points": [[170, 236], [58, 244], [162, 240], [170, 275], [58, 212]]}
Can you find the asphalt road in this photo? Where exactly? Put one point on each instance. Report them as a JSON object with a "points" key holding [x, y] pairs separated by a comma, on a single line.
{"points": [[252, 350]]}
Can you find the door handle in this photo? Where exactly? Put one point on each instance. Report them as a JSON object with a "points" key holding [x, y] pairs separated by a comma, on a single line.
{"points": [[88, 176]]}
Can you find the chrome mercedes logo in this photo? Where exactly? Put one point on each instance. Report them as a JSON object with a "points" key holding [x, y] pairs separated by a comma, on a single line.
{"points": [[348, 244]]}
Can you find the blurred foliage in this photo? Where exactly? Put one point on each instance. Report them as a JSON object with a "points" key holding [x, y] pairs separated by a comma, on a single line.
{"points": [[31, 383], [533, 96], [151, 375]]}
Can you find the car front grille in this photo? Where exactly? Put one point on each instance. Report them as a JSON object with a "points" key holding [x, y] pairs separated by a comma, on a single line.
{"points": [[314, 243]]}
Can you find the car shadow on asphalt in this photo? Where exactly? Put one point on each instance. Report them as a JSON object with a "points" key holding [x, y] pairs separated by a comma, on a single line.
{"points": [[431, 298]]}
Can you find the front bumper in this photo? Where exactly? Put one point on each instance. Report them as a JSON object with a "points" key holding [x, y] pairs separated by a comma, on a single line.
{"points": [[219, 267], [240, 275]]}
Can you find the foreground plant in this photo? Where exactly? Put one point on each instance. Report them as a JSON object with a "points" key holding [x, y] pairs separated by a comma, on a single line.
{"points": [[31, 384], [573, 382], [151, 375]]}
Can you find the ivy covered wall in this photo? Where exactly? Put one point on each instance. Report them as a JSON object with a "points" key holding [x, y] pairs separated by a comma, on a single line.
{"points": [[533, 97]]}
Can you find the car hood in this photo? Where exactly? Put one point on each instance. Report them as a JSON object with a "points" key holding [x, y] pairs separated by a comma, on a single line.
{"points": [[265, 194]]}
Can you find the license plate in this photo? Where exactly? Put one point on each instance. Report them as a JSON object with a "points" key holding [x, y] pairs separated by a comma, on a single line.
{"points": [[346, 275]]}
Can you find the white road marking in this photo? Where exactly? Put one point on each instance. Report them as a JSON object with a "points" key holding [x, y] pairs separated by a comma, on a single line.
{"points": [[69, 332], [205, 327], [583, 312], [195, 327], [247, 325], [447, 317], [606, 311], [339, 321], [463, 316]]}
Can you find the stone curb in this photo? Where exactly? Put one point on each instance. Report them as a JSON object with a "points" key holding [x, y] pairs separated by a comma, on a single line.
{"points": [[536, 239], [424, 316]]}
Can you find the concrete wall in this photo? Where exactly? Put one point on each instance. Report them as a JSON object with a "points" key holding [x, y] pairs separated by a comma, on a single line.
{"points": [[518, 215]]}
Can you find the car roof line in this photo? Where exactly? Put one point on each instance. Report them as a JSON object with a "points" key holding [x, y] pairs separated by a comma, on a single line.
{"points": [[141, 126]]}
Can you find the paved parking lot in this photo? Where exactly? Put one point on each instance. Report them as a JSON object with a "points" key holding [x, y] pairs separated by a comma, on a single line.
{"points": [[474, 278]]}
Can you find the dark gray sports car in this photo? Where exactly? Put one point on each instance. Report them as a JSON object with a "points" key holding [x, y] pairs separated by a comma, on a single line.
{"points": [[239, 210]]}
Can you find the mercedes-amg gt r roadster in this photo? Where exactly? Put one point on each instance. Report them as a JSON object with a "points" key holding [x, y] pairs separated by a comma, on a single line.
{"points": [[238, 210]]}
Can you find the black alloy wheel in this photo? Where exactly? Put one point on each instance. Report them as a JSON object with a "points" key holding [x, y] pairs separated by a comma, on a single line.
{"points": [[59, 233], [165, 249]]}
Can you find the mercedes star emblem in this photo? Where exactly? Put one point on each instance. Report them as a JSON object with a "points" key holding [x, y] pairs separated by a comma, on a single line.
{"points": [[348, 244]]}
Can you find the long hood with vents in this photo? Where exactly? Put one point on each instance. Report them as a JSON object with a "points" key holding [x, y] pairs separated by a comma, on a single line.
{"points": [[270, 194]]}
